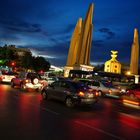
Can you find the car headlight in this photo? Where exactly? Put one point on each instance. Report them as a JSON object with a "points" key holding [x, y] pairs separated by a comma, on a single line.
{"points": [[123, 90]]}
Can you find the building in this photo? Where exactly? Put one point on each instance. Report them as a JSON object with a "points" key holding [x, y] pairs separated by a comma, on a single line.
{"points": [[113, 65], [55, 69], [19, 51]]}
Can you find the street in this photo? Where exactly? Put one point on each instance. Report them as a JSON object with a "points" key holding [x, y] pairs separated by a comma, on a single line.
{"points": [[25, 116]]}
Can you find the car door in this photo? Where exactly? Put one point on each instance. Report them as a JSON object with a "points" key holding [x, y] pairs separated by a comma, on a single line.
{"points": [[137, 92], [19, 78], [95, 85], [65, 89], [104, 88], [55, 90], [61, 90]]}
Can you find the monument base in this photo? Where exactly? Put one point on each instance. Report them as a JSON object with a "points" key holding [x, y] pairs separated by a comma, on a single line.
{"points": [[77, 67], [136, 79]]}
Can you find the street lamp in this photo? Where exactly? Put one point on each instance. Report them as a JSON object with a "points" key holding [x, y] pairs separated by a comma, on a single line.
{"points": [[128, 73]]}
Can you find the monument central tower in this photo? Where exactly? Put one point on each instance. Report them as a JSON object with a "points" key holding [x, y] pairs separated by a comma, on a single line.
{"points": [[80, 45], [134, 61]]}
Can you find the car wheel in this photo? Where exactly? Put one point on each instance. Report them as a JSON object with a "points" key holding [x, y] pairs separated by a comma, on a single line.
{"points": [[44, 95], [69, 102], [100, 93], [12, 84]]}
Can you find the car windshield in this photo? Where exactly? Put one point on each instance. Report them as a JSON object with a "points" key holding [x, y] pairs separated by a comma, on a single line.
{"points": [[9, 73], [108, 84], [80, 85], [33, 75]]}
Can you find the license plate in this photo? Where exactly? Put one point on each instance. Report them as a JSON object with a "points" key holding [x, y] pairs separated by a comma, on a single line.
{"points": [[87, 100], [89, 95]]}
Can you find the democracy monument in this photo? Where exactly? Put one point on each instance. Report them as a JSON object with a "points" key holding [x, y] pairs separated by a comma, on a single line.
{"points": [[80, 45], [134, 61]]}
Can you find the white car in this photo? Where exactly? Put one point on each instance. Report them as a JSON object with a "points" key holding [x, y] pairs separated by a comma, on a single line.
{"points": [[7, 76], [104, 88]]}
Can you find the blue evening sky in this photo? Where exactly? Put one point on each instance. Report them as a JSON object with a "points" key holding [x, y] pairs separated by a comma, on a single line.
{"points": [[46, 26]]}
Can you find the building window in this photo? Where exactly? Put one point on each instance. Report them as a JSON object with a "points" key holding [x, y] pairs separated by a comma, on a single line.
{"points": [[115, 66], [107, 65]]}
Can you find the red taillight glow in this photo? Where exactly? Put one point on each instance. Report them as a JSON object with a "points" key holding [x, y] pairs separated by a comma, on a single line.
{"points": [[131, 102], [127, 91], [26, 81], [97, 93], [81, 93], [110, 91], [3, 77]]}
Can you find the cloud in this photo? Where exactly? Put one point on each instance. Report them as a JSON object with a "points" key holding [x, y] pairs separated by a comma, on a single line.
{"points": [[107, 32], [20, 26], [97, 43], [100, 51], [69, 28], [56, 54]]}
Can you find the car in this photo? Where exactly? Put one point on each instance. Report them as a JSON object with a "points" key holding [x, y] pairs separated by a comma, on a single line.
{"points": [[133, 91], [53, 79], [46, 75], [50, 79], [70, 92], [123, 86], [28, 80], [104, 88], [7, 76]]}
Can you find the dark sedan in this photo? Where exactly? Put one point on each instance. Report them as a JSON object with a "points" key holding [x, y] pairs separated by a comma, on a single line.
{"points": [[70, 92], [134, 91]]}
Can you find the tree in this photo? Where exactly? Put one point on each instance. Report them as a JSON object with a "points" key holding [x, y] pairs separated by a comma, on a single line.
{"points": [[9, 54], [39, 63], [26, 61], [6, 55]]}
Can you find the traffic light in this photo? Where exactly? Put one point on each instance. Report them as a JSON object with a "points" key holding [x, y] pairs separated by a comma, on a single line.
{"points": [[13, 63]]}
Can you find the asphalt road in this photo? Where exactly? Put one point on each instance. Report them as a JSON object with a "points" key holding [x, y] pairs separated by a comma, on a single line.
{"points": [[25, 116]]}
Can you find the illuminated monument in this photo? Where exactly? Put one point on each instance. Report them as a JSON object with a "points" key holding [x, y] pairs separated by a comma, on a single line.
{"points": [[134, 54], [134, 62], [80, 45], [113, 65]]}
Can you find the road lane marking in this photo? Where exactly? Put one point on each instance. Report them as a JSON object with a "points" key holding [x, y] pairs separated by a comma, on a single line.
{"points": [[51, 111], [99, 130], [130, 116], [56, 113]]}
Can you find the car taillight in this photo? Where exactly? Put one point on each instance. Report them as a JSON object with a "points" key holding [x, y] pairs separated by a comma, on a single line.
{"points": [[97, 93], [80, 93], [3, 77], [27, 81], [127, 91], [110, 91]]}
